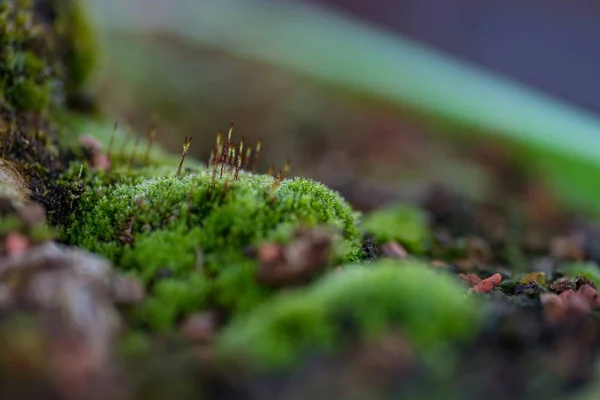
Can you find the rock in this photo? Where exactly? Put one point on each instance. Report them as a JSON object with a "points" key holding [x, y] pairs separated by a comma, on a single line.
{"points": [[68, 295], [488, 284]]}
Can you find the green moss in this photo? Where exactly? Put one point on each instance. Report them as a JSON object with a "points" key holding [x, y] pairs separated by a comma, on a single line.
{"points": [[148, 224], [428, 305], [172, 298], [403, 223]]}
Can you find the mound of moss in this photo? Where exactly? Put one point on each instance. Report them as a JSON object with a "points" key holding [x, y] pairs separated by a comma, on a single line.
{"points": [[429, 306], [187, 237]]}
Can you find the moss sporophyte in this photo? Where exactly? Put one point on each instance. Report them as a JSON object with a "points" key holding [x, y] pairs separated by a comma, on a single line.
{"points": [[186, 234]]}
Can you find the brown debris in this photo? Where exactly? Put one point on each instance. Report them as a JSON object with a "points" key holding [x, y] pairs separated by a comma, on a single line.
{"points": [[297, 262]]}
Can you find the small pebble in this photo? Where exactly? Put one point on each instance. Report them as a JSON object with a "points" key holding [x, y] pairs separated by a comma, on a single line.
{"points": [[488, 284]]}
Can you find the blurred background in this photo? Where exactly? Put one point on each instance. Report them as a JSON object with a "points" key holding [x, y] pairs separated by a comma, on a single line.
{"points": [[373, 98]]}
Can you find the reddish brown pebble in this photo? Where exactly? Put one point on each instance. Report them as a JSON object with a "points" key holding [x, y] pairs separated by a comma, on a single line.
{"points": [[470, 279], [488, 284], [16, 244], [394, 250]]}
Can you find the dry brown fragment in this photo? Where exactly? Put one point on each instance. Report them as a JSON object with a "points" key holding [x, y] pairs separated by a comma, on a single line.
{"points": [[394, 250]]}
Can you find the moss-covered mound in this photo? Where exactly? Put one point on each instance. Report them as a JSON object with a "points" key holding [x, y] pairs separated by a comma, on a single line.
{"points": [[187, 237], [429, 306]]}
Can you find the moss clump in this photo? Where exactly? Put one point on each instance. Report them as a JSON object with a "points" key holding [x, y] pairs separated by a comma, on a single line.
{"points": [[198, 224], [427, 305], [403, 223]]}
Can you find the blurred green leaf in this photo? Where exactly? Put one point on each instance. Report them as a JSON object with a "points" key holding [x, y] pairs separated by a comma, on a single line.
{"points": [[560, 139]]}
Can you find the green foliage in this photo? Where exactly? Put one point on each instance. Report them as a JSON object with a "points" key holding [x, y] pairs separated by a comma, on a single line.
{"points": [[190, 226], [172, 298], [428, 305], [403, 223]]}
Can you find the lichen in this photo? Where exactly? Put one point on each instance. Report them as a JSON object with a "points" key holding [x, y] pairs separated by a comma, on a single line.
{"points": [[427, 305]]}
